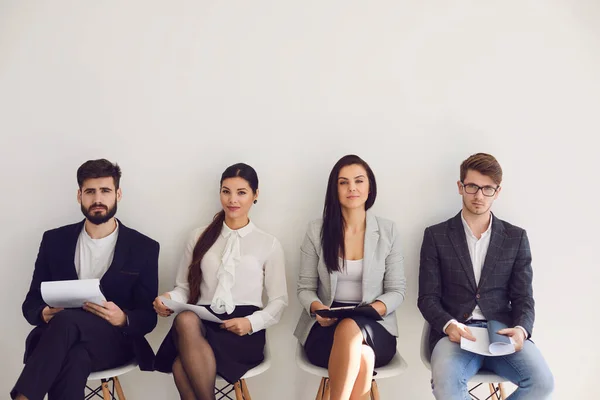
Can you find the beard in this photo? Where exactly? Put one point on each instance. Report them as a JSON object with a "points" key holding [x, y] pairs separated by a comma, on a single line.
{"points": [[97, 217]]}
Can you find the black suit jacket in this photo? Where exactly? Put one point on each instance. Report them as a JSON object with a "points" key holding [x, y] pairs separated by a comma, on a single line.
{"points": [[131, 282], [447, 286]]}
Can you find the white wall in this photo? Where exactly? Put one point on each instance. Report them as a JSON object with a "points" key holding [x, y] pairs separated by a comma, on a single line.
{"points": [[177, 91]]}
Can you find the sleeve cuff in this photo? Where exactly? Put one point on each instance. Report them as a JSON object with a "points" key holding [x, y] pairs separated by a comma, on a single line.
{"points": [[448, 324], [524, 331], [256, 323]]}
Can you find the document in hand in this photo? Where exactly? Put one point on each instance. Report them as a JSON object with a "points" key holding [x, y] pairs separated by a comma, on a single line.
{"points": [[200, 311], [72, 294], [365, 310], [489, 343]]}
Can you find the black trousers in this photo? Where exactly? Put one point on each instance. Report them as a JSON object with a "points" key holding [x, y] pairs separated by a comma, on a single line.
{"points": [[73, 344]]}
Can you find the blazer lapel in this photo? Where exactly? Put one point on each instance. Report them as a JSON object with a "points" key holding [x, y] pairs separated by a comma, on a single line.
{"points": [[371, 239], [69, 254], [459, 242], [121, 251], [494, 250]]}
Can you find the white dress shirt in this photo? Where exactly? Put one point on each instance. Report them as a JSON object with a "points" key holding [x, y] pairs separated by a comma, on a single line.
{"points": [[349, 282], [94, 256], [234, 272]]}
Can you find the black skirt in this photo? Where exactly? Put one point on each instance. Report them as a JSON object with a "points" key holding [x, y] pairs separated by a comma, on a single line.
{"points": [[235, 355], [320, 341]]}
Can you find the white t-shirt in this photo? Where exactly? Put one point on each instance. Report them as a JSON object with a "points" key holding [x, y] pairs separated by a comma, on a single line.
{"points": [[94, 256]]}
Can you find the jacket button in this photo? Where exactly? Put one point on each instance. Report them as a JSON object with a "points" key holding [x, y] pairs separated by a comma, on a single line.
{"points": [[465, 316], [478, 296]]}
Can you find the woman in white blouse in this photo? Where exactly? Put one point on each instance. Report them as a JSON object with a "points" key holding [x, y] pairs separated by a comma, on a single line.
{"points": [[225, 268], [350, 257]]}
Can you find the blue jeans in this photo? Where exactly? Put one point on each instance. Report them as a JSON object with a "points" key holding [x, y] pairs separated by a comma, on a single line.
{"points": [[452, 367]]}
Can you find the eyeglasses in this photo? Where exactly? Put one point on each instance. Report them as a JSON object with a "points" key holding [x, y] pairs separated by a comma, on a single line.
{"points": [[488, 191]]}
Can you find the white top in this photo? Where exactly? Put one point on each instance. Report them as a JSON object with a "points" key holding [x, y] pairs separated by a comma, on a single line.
{"points": [[94, 256], [234, 272], [477, 250], [349, 282]]}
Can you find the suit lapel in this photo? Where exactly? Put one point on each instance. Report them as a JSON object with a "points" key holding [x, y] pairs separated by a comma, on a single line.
{"points": [[459, 242], [121, 251], [494, 250], [371, 239], [69, 255]]}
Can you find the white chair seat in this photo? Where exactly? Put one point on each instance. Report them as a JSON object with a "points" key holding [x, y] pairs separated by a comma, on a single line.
{"points": [[396, 367], [110, 373]]}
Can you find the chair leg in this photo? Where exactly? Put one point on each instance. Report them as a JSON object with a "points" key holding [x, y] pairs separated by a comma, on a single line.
{"points": [[374, 390], [245, 390], [326, 393], [502, 392], [105, 392], [119, 389], [238, 391], [321, 389]]}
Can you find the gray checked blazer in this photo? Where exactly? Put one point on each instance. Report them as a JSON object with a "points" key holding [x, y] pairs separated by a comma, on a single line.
{"points": [[383, 273], [447, 287]]}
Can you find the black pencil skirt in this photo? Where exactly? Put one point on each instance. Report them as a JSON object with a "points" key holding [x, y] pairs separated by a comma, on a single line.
{"points": [[320, 341], [234, 354]]}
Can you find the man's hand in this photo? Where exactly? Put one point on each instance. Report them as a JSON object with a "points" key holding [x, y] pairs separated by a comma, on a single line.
{"points": [[324, 322], [239, 326], [49, 312], [516, 334], [456, 330], [108, 311]]}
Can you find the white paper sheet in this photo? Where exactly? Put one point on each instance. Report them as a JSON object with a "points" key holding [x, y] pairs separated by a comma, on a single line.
{"points": [[72, 294], [482, 345], [200, 311]]}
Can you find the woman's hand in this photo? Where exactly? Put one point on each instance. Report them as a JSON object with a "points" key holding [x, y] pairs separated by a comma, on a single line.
{"points": [[239, 326], [324, 322], [380, 307], [159, 306]]}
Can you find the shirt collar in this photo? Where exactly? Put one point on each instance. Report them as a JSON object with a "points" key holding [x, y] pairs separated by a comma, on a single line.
{"points": [[470, 232], [243, 231]]}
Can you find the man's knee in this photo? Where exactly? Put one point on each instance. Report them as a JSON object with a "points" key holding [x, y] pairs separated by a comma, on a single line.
{"points": [[542, 382], [187, 321]]}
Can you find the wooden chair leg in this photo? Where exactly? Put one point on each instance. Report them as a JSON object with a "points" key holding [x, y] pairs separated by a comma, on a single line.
{"points": [[119, 389], [502, 392], [374, 390], [326, 390], [245, 390], [105, 392], [321, 390], [238, 391]]}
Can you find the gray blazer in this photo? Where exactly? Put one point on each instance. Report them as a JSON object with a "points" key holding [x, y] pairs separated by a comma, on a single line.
{"points": [[383, 273]]}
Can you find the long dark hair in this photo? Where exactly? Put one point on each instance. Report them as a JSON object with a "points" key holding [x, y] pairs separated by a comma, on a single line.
{"points": [[212, 232], [332, 231]]}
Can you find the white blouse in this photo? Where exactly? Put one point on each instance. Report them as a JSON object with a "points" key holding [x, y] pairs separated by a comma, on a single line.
{"points": [[234, 272]]}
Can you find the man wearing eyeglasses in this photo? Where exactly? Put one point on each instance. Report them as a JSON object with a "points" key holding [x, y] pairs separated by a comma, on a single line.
{"points": [[476, 267]]}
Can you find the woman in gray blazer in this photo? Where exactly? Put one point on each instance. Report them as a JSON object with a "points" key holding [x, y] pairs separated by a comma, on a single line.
{"points": [[350, 257]]}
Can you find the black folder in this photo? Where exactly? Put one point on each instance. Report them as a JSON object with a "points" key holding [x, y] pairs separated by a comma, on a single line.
{"points": [[351, 311]]}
